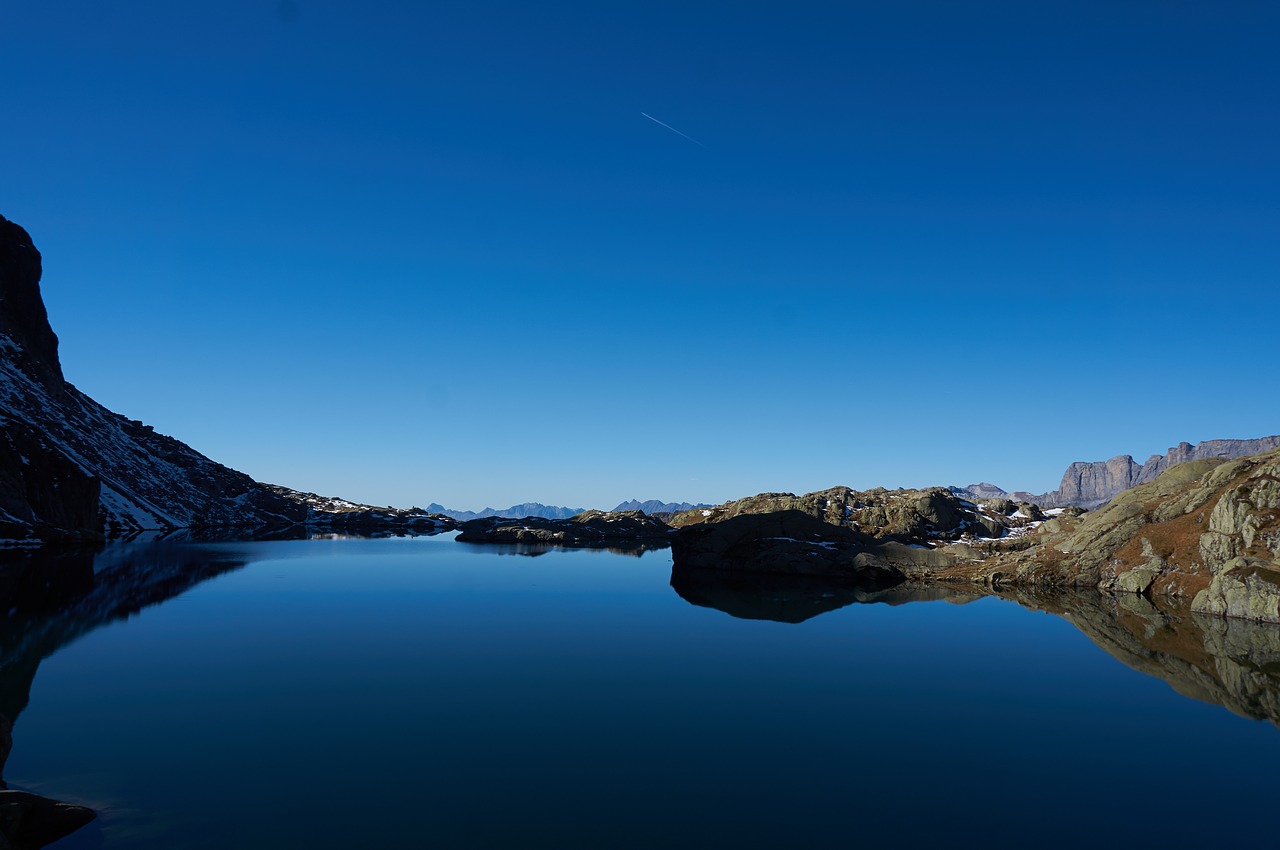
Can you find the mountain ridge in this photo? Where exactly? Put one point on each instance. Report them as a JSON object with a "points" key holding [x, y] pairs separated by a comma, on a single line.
{"points": [[654, 506], [1091, 484], [525, 509]]}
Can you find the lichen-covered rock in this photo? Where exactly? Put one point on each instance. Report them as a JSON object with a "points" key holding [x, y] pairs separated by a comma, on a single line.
{"points": [[930, 517], [1243, 588], [1207, 530]]}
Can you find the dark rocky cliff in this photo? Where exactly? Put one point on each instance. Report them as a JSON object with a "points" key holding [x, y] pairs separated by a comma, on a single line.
{"points": [[72, 470]]}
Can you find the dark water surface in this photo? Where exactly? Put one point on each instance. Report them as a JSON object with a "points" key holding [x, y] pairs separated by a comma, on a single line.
{"points": [[420, 692]]}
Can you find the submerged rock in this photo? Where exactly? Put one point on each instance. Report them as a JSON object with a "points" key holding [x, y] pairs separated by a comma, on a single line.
{"points": [[29, 821]]}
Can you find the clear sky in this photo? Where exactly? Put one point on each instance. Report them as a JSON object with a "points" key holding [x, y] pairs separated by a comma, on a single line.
{"points": [[414, 252]]}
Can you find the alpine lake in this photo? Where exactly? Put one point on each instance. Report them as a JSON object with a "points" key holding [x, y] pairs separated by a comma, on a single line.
{"points": [[420, 692]]}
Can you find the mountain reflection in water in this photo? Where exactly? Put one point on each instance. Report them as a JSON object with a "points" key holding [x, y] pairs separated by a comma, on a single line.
{"points": [[460, 668], [53, 596], [1232, 663]]}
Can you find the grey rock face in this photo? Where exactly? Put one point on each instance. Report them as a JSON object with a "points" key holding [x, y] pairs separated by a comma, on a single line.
{"points": [[1089, 485], [1241, 546]]}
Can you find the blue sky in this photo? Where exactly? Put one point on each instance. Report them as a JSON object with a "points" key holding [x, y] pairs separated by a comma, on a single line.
{"points": [[414, 252]]}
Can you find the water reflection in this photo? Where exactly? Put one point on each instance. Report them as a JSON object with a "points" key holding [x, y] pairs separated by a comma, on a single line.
{"points": [[54, 596], [1232, 663], [533, 550], [794, 598], [51, 596], [231, 534]]}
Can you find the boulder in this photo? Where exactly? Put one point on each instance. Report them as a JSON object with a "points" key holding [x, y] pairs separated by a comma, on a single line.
{"points": [[786, 543]]}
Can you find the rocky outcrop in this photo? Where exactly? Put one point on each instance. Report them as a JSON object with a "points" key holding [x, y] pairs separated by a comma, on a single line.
{"points": [[930, 517], [1241, 547], [73, 469], [1207, 531], [44, 494], [590, 529], [787, 542], [33, 346], [1089, 485], [328, 514], [844, 532]]}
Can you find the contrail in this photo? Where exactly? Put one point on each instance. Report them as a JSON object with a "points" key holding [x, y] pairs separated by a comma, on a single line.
{"points": [[674, 130]]}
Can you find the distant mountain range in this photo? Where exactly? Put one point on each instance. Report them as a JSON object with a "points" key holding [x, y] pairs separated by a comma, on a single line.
{"points": [[537, 509], [514, 512], [653, 506]]}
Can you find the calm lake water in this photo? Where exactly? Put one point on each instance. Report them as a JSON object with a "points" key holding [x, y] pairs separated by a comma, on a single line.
{"points": [[422, 692]]}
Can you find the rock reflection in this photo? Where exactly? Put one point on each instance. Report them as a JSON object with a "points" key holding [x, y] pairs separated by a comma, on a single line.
{"points": [[1227, 662], [793, 598], [533, 550], [50, 597]]}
